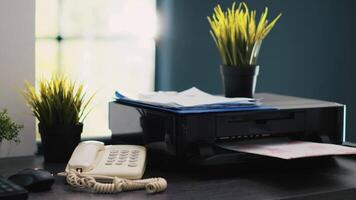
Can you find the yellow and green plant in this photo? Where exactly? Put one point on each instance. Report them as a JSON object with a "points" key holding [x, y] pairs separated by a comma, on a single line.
{"points": [[59, 102], [237, 34]]}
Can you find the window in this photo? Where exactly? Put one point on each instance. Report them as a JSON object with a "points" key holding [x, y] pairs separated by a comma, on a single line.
{"points": [[107, 45]]}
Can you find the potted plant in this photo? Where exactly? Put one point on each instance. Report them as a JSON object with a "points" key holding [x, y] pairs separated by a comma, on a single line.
{"points": [[238, 38], [60, 107], [8, 129]]}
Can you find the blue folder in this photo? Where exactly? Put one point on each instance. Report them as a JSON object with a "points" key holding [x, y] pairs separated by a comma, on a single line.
{"points": [[225, 107]]}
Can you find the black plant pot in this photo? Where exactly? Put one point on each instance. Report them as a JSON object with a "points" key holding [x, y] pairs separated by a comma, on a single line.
{"points": [[59, 142], [239, 81]]}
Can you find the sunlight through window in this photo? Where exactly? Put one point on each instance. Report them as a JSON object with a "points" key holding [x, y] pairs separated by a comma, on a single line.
{"points": [[107, 45]]}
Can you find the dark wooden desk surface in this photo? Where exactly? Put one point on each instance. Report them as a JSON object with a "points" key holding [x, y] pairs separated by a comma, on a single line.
{"points": [[328, 178]]}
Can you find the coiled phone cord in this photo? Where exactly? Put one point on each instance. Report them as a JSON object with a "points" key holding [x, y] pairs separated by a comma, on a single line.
{"points": [[152, 185]]}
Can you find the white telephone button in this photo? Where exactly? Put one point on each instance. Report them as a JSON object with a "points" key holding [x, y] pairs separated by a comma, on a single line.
{"points": [[132, 164]]}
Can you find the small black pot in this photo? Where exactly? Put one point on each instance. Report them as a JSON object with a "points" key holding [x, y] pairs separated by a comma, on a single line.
{"points": [[239, 81], [59, 142]]}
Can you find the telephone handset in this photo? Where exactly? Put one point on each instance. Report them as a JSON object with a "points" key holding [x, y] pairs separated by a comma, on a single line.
{"points": [[123, 165], [86, 155]]}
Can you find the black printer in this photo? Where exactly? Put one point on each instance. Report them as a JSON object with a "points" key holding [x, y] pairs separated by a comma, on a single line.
{"points": [[195, 136]]}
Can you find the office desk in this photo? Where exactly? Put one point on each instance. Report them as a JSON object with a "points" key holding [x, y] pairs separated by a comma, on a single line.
{"points": [[326, 178]]}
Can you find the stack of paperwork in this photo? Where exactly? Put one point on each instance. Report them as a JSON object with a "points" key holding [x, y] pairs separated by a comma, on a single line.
{"points": [[192, 100]]}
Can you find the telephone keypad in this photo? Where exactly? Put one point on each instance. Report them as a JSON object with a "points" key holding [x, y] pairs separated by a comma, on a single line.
{"points": [[125, 160], [122, 157]]}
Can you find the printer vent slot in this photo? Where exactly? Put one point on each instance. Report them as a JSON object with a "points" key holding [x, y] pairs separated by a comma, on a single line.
{"points": [[262, 124], [261, 121], [262, 118], [252, 136]]}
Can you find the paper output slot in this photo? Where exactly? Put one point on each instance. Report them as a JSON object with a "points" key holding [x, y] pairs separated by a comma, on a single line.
{"points": [[287, 149]]}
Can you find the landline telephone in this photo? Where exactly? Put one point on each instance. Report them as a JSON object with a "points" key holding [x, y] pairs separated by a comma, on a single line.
{"points": [[118, 167]]}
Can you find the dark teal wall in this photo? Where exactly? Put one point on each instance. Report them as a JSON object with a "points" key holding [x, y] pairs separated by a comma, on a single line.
{"points": [[309, 53]]}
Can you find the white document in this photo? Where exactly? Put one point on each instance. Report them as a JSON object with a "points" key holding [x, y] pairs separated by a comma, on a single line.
{"points": [[190, 98], [287, 149]]}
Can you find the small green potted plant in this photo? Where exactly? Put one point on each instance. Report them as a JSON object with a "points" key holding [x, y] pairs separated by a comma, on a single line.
{"points": [[60, 107], [238, 38], [9, 130]]}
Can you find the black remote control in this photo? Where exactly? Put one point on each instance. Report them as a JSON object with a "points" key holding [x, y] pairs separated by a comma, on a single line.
{"points": [[11, 191]]}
